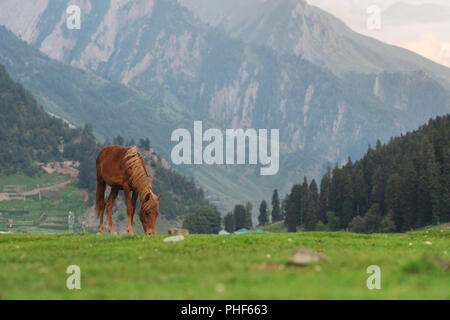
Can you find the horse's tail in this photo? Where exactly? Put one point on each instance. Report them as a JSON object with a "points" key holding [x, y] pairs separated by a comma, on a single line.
{"points": [[99, 197]]}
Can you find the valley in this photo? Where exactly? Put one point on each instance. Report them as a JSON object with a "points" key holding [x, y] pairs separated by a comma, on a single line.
{"points": [[156, 76]]}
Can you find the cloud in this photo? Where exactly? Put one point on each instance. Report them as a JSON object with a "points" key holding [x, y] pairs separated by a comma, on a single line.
{"points": [[430, 46], [421, 26]]}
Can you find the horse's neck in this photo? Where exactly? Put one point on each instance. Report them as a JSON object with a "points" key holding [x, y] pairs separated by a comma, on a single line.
{"points": [[144, 191]]}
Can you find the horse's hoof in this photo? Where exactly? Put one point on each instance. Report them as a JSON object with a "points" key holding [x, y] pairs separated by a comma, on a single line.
{"points": [[99, 233]]}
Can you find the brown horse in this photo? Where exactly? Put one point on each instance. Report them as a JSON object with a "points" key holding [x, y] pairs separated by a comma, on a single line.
{"points": [[124, 169]]}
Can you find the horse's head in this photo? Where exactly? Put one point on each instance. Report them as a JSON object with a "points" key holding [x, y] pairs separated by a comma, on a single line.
{"points": [[149, 213]]}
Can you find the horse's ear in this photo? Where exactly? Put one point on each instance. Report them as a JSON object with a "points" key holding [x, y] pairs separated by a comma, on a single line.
{"points": [[159, 197], [147, 197]]}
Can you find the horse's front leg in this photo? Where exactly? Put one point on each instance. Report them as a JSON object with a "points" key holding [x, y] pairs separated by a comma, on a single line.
{"points": [[109, 206], [133, 203], [131, 206]]}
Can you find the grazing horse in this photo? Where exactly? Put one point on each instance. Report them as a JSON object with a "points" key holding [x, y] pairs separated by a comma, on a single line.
{"points": [[124, 169]]}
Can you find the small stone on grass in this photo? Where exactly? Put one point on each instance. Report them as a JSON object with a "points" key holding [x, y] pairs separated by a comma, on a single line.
{"points": [[303, 256], [174, 239]]}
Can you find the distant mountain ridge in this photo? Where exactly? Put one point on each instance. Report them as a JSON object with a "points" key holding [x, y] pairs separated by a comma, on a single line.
{"points": [[295, 27]]}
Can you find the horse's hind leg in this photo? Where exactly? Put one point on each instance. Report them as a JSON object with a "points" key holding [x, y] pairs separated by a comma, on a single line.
{"points": [[100, 202], [109, 206]]}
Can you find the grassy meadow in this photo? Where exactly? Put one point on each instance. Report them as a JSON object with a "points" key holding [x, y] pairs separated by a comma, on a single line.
{"points": [[249, 266]]}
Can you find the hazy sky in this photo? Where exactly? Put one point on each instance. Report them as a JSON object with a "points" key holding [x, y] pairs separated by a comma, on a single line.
{"points": [[422, 26]]}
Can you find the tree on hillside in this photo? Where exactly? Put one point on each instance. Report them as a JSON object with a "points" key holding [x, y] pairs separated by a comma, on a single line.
{"points": [[393, 198], [240, 216], [276, 210], [305, 197], [86, 154], [314, 191], [311, 216], [263, 217], [291, 218], [324, 197], [229, 222], [334, 223], [388, 223], [248, 215], [205, 221], [409, 195], [360, 189], [144, 144], [119, 141]]}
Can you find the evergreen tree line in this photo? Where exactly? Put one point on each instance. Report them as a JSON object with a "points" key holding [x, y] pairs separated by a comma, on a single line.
{"points": [[396, 187], [144, 144]]}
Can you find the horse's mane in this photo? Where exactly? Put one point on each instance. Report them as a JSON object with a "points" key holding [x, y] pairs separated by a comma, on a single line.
{"points": [[138, 176]]}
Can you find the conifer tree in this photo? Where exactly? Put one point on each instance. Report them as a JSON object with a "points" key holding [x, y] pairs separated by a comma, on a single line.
{"points": [[276, 210], [229, 222], [263, 217], [393, 198], [311, 216], [291, 218], [325, 188], [240, 216], [248, 215]]}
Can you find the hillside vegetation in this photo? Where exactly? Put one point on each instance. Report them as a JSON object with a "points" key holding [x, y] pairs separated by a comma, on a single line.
{"points": [[399, 186], [30, 136], [27, 132]]}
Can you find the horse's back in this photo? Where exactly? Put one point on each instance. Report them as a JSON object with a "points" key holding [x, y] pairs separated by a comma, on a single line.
{"points": [[109, 164]]}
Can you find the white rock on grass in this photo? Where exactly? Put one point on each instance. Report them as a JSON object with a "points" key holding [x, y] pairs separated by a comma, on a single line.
{"points": [[174, 239], [302, 256]]}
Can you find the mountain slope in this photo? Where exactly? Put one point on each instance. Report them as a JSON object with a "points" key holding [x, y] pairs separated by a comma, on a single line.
{"points": [[82, 97], [27, 134], [30, 138], [294, 27]]}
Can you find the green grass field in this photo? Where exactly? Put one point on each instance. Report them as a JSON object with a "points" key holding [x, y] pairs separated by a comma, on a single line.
{"points": [[247, 266]]}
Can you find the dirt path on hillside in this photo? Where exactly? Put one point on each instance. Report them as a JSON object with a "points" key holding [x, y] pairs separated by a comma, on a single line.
{"points": [[55, 187]]}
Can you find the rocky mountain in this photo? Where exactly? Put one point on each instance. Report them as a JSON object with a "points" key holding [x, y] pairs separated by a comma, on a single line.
{"points": [[295, 27], [160, 49], [81, 97]]}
